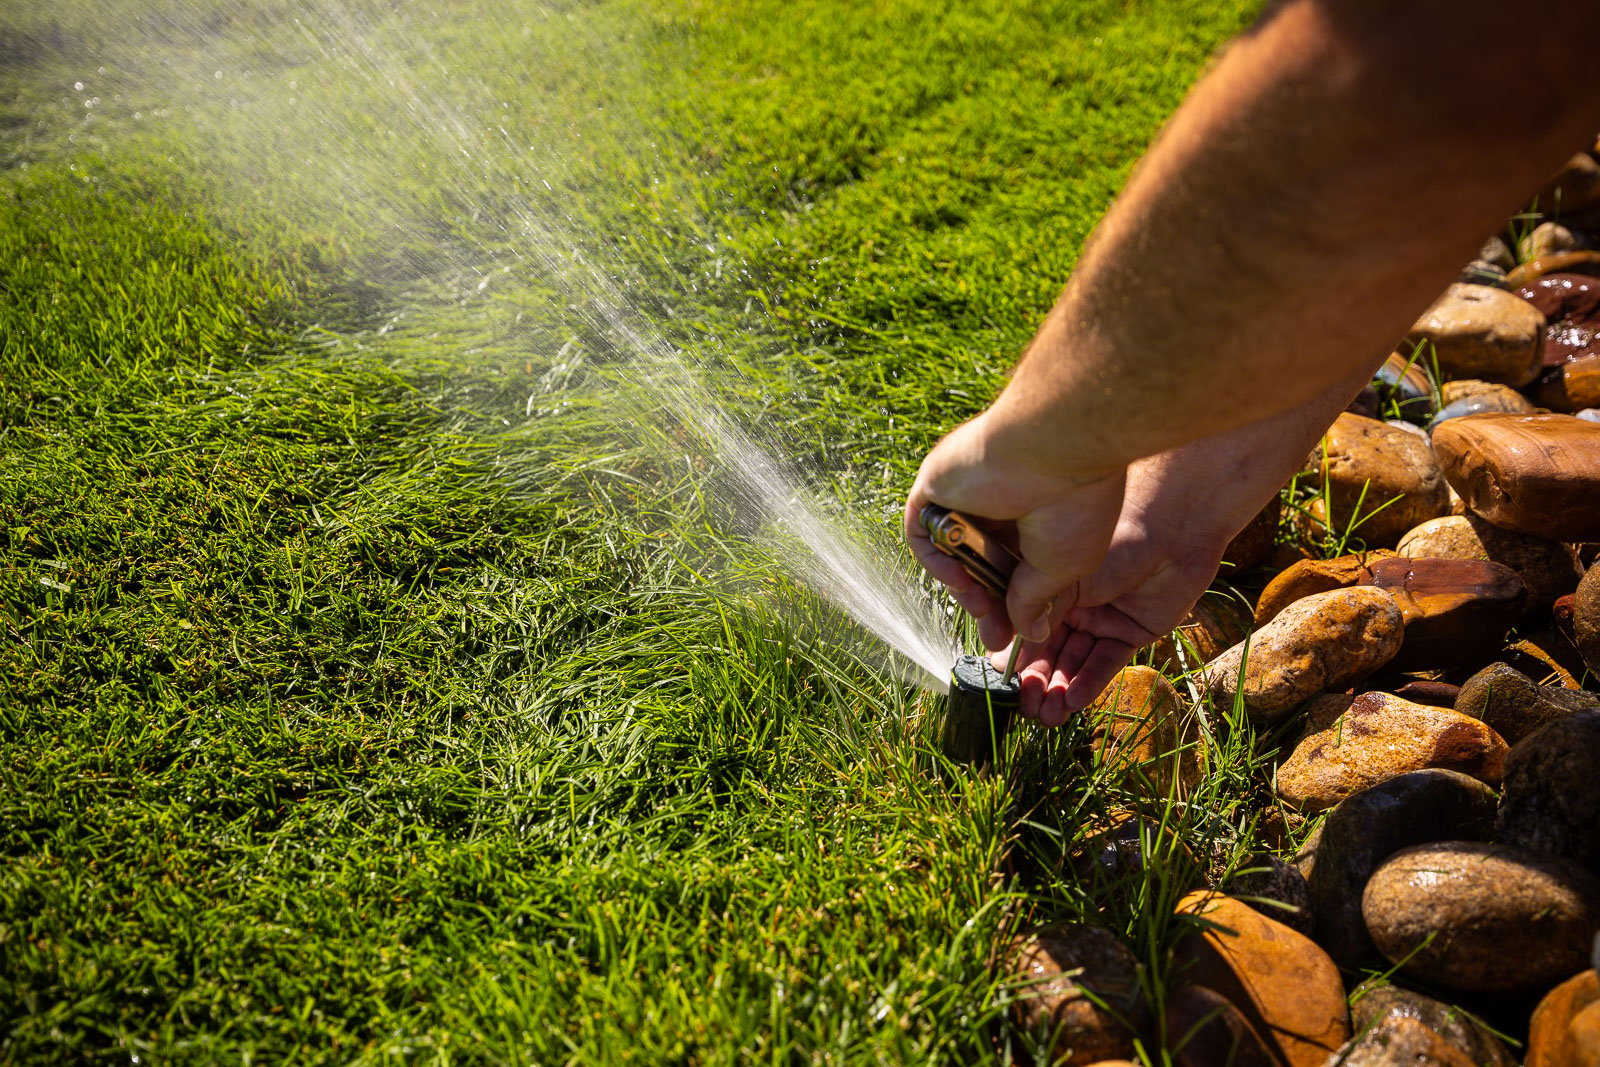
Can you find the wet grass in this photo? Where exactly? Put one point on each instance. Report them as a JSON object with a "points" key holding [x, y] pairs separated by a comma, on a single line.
{"points": [[378, 677]]}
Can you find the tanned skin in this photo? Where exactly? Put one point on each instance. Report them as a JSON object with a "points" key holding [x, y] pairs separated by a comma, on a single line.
{"points": [[1314, 194]]}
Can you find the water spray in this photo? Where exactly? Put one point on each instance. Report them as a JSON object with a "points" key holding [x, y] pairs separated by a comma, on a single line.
{"points": [[982, 699]]}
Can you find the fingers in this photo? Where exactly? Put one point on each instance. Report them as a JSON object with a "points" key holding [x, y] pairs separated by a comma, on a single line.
{"points": [[1060, 543]]}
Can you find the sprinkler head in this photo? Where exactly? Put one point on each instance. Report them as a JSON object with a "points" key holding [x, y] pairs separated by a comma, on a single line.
{"points": [[979, 711]]}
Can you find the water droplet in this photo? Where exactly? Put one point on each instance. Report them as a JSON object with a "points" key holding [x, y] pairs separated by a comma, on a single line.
{"points": [[78, 86]]}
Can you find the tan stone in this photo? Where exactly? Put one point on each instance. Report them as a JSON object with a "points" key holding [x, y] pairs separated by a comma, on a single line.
{"points": [[1378, 480], [1482, 917], [1549, 238], [1382, 736], [1369, 827], [1284, 985], [1478, 331], [1326, 641], [1064, 969], [1547, 567], [1550, 1042], [1308, 576], [1147, 735], [1536, 474]]}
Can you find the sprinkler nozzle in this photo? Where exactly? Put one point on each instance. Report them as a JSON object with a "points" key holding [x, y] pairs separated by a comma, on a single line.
{"points": [[979, 710]]}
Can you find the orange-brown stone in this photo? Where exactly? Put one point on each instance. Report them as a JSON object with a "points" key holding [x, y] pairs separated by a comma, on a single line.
{"points": [[1309, 576], [1550, 1038], [1147, 735], [1286, 987], [1457, 611], [1536, 474]]}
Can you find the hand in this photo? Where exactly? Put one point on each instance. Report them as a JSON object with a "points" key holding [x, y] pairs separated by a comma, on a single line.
{"points": [[1058, 522], [1152, 575], [1180, 509]]}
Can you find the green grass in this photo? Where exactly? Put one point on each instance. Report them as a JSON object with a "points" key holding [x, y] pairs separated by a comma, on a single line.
{"points": [[380, 674]]}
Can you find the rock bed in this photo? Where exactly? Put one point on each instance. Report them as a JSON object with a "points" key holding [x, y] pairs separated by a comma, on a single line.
{"points": [[1446, 738]]}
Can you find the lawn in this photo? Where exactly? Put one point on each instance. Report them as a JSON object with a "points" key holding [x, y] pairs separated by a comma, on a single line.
{"points": [[390, 667]]}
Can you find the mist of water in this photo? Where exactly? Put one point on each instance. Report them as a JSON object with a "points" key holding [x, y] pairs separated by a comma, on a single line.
{"points": [[455, 136]]}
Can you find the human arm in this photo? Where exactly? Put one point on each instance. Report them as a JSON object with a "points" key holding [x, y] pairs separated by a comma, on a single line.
{"points": [[1315, 191]]}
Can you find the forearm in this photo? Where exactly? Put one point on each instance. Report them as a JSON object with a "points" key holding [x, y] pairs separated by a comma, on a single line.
{"points": [[1313, 194], [1207, 490]]}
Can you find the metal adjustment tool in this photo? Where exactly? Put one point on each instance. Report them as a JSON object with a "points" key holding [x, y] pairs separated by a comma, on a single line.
{"points": [[982, 700], [982, 555]]}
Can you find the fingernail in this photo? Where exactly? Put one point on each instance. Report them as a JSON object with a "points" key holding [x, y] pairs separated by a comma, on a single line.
{"points": [[1040, 630]]}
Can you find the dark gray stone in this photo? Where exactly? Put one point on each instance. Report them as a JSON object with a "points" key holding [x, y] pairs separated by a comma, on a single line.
{"points": [[1367, 828]]}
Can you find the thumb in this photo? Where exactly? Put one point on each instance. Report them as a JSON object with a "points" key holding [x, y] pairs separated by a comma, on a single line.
{"points": [[1060, 543]]}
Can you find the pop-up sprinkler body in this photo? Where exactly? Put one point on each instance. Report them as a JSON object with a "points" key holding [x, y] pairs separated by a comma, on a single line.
{"points": [[980, 709]]}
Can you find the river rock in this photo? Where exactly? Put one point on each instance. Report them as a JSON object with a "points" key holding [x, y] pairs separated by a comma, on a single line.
{"points": [[1306, 577], [1536, 474], [1584, 1032], [1586, 618], [1203, 1028], [1456, 611], [1284, 985], [1423, 691], [1546, 567], [1497, 253], [1377, 999], [1367, 828], [1551, 797], [1483, 332], [1376, 480], [1507, 400], [1482, 917], [1275, 889], [1572, 386], [1145, 733], [1554, 263], [1573, 188], [1549, 238], [1514, 705], [1064, 969], [1380, 737], [1405, 388], [1326, 641], [1570, 304], [1398, 1040], [1550, 1038]]}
